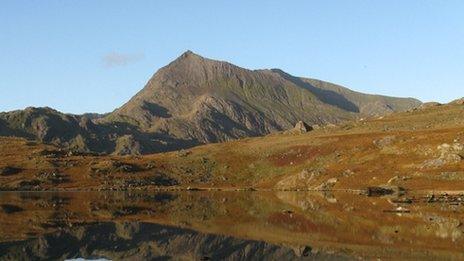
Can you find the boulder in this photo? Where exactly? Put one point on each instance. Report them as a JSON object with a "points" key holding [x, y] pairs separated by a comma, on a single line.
{"points": [[301, 127], [183, 153], [384, 142]]}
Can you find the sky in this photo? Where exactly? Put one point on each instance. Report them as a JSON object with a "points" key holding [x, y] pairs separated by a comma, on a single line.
{"points": [[93, 56]]}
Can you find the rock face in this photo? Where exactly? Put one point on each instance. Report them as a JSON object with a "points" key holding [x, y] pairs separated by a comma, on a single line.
{"points": [[195, 100]]}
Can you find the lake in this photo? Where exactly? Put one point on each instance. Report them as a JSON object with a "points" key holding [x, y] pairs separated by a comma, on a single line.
{"points": [[217, 225]]}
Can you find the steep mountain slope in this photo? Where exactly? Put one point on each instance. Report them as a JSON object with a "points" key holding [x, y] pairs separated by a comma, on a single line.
{"points": [[195, 100], [208, 101], [342, 97]]}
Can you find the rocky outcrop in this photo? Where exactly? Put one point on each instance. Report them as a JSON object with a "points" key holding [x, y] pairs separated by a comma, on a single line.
{"points": [[301, 127], [384, 142], [305, 179], [448, 154], [127, 145]]}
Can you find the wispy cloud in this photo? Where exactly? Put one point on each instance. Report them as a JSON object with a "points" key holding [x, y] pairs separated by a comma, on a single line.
{"points": [[114, 59]]}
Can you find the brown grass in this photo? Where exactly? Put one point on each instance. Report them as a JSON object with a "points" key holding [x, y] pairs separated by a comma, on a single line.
{"points": [[347, 152]]}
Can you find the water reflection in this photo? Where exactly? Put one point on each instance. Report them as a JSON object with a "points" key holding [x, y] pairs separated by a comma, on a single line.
{"points": [[226, 225]]}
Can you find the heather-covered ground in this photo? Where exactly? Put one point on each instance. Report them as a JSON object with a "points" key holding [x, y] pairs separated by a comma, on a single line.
{"points": [[417, 150]]}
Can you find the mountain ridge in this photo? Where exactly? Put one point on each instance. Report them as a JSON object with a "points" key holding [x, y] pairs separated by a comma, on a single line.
{"points": [[276, 98]]}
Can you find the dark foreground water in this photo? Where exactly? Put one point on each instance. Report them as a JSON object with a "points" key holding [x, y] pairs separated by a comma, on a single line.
{"points": [[228, 225]]}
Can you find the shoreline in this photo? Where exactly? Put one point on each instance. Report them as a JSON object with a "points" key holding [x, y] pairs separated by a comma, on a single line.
{"points": [[202, 189]]}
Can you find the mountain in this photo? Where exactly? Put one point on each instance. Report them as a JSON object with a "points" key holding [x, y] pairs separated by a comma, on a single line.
{"points": [[209, 101], [195, 100], [80, 133], [51, 126]]}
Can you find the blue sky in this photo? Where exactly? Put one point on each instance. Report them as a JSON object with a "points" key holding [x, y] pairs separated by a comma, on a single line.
{"points": [[92, 56]]}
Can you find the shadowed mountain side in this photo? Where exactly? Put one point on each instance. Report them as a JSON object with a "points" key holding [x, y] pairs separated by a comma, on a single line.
{"points": [[346, 99], [81, 134], [367, 104], [146, 241], [6, 131], [156, 110], [327, 96]]}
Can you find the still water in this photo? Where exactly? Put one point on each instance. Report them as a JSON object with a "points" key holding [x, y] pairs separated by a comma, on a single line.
{"points": [[201, 225]]}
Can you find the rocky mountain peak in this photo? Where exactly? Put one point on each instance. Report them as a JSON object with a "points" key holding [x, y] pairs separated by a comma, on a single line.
{"points": [[189, 55]]}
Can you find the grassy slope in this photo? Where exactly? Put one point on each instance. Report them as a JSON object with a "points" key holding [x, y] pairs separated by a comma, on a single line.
{"points": [[358, 154]]}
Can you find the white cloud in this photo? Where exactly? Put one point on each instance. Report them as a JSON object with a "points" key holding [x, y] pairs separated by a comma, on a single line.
{"points": [[114, 59]]}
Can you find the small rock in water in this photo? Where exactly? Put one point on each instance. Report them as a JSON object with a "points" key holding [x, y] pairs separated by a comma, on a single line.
{"points": [[383, 191], [378, 191]]}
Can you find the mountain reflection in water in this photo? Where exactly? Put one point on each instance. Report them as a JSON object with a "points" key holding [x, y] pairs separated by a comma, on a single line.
{"points": [[226, 225]]}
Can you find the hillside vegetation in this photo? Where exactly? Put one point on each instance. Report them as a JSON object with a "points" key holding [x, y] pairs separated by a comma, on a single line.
{"points": [[421, 149]]}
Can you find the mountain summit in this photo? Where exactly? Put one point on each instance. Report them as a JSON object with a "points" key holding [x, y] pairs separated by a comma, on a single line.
{"points": [[195, 100]]}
